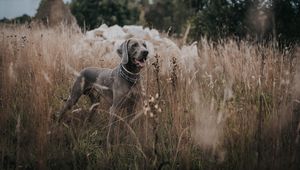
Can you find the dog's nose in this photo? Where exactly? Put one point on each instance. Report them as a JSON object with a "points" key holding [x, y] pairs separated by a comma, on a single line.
{"points": [[145, 52]]}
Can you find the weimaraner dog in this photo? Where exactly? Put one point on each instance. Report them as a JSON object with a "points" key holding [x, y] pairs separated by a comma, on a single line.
{"points": [[118, 85]]}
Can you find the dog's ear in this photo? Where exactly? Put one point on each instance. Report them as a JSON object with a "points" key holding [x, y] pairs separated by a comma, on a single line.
{"points": [[123, 51]]}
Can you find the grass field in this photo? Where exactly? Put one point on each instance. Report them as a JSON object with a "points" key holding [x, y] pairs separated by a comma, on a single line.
{"points": [[234, 106]]}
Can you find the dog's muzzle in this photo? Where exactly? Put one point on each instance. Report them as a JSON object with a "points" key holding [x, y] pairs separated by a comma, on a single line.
{"points": [[141, 61]]}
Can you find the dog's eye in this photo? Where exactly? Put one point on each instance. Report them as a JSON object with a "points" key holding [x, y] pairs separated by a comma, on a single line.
{"points": [[144, 44], [135, 45]]}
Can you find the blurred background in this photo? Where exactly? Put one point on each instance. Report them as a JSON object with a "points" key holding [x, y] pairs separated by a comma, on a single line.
{"points": [[242, 19]]}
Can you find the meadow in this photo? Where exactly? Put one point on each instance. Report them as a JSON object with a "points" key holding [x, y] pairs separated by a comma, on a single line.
{"points": [[233, 106]]}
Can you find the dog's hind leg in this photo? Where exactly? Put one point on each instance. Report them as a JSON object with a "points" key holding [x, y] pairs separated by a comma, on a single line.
{"points": [[76, 92], [93, 97]]}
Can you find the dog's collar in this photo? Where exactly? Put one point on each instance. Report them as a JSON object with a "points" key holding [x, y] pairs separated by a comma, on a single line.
{"points": [[128, 75]]}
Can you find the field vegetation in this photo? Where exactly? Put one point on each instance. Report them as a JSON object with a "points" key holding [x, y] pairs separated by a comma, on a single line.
{"points": [[233, 106]]}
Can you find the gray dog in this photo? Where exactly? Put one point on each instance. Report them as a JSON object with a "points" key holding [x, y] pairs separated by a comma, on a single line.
{"points": [[119, 86]]}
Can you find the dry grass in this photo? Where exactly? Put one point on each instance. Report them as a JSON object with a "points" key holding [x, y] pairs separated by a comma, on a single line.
{"points": [[200, 112]]}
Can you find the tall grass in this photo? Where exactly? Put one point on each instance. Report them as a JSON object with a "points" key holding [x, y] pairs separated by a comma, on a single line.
{"points": [[234, 105]]}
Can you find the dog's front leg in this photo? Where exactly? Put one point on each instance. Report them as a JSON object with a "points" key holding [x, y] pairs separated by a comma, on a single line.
{"points": [[118, 99]]}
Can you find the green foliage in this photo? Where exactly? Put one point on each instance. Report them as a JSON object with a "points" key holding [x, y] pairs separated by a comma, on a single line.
{"points": [[248, 18], [170, 15], [218, 19], [167, 15], [160, 15], [287, 19], [254, 19], [93, 13]]}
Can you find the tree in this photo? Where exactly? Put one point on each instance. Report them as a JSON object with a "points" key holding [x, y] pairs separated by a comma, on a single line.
{"points": [[287, 20], [159, 15], [53, 12], [93, 13], [217, 19], [257, 19], [171, 15]]}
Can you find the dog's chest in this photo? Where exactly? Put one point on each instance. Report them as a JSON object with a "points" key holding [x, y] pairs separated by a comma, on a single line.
{"points": [[131, 95], [134, 92]]}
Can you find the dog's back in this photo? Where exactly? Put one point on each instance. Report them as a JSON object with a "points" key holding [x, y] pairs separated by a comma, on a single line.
{"points": [[98, 76]]}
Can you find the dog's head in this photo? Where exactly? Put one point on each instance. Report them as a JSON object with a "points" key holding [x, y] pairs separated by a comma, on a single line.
{"points": [[134, 53]]}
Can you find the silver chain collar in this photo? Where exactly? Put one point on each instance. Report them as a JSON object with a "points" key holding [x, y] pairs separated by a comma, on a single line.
{"points": [[128, 76]]}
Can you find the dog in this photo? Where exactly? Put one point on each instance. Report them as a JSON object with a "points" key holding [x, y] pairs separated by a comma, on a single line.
{"points": [[120, 86]]}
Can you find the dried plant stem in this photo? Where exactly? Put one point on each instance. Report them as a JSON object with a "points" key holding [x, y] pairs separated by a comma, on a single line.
{"points": [[18, 149], [133, 134], [178, 145], [156, 66], [260, 114]]}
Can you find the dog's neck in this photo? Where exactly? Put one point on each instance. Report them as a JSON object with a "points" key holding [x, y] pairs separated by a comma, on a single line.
{"points": [[131, 67], [129, 76]]}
